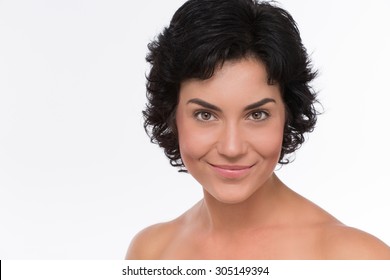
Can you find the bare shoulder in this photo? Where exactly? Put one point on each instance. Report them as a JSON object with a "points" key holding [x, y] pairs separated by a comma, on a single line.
{"points": [[343, 242], [150, 242], [336, 240]]}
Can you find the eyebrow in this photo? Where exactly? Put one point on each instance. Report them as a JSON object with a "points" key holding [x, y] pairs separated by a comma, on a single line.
{"points": [[215, 108], [259, 103]]}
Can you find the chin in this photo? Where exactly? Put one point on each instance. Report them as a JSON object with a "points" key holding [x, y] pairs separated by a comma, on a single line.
{"points": [[230, 194]]}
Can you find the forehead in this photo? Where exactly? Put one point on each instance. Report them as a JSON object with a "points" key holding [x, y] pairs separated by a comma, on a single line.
{"points": [[245, 79]]}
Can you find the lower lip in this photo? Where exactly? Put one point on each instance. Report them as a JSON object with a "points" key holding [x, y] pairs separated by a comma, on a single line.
{"points": [[231, 173]]}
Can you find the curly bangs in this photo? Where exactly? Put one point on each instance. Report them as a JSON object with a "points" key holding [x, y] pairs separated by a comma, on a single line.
{"points": [[202, 35]]}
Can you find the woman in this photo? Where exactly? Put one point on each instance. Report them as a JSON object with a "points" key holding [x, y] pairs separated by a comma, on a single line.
{"points": [[228, 99]]}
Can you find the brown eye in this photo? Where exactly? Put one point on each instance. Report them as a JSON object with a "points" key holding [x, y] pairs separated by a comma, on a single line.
{"points": [[258, 115], [204, 116]]}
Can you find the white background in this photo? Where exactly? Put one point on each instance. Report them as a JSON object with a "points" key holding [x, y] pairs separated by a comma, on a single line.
{"points": [[78, 176]]}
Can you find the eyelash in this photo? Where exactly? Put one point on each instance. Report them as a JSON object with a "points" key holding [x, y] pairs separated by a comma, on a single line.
{"points": [[198, 115], [211, 116], [264, 115]]}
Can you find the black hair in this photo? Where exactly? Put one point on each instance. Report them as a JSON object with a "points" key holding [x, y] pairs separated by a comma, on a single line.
{"points": [[201, 36]]}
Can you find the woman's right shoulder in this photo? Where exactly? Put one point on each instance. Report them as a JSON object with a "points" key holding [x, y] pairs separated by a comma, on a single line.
{"points": [[150, 242]]}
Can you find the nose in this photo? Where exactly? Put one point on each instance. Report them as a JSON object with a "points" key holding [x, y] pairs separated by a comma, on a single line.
{"points": [[231, 142]]}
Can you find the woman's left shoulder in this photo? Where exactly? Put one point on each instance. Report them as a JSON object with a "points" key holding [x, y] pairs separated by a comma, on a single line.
{"points": [[343, 242]]}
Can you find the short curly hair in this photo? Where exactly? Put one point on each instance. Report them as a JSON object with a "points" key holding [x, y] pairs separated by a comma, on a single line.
{"points": [[202, 35]]}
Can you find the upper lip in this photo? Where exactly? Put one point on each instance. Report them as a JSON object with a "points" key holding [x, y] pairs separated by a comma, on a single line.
{"points": [[231, 167]]}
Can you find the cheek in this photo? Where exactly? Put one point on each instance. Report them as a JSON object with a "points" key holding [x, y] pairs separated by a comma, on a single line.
{"points": [[194, 142], [269, 142]]}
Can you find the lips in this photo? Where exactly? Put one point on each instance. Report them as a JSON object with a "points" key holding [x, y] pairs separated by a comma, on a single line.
{"points": [[231, 171]]}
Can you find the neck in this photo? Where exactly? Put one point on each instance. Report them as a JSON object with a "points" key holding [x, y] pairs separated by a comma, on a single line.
{"points": [[254, 212]]}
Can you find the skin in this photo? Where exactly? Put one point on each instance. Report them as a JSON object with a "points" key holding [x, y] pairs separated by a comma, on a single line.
{"points": [[230, 131]]}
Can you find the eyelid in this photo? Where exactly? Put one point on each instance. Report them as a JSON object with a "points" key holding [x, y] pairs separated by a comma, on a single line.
{"points": [[261, 111], [200, 111]]}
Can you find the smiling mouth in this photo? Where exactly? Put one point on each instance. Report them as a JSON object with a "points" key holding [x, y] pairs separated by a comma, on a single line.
{"points": [[232, 171]]}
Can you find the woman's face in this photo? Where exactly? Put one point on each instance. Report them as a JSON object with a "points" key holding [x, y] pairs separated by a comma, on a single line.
{"points": [[230, 129]]}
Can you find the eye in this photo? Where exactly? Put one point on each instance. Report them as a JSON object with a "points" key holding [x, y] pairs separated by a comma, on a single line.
{"points": [[258, 115], [204, 116]]}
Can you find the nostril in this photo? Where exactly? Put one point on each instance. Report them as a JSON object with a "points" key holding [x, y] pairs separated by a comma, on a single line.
{"points": [[231, 144]]}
